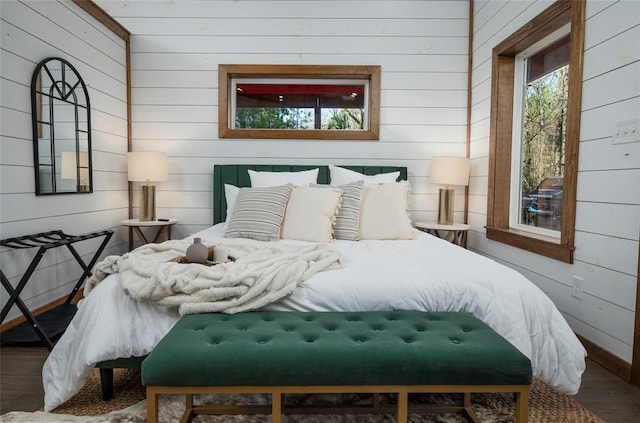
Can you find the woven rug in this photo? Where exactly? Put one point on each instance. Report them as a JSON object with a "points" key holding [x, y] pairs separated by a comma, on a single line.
{"points": [[545, 405]]}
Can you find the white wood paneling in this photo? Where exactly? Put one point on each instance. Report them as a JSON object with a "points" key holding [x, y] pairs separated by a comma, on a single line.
{"points": [[618, 51], [421, 47], [601, 122], [203, 62], [301, 9], [610, 186], [31, 32], [608, 216], [600, 153], [310, 26], [607, 89]]}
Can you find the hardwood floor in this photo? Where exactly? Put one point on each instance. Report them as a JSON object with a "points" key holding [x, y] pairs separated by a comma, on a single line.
{"points": [[612, 399], [608, 396]]}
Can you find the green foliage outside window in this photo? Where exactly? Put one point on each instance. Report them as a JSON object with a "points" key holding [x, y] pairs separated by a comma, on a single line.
{"points": [[297, 118], [545, 125], [273, 118]]}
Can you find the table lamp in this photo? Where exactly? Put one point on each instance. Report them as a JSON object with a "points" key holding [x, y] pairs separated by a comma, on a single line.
{"points": [[448, 171], [146, 166], [70, 168]]}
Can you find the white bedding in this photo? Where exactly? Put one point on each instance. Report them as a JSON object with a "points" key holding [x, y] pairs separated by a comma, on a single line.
{"points": [[422, 274]]}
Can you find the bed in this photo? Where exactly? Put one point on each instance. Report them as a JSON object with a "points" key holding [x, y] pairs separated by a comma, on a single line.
{"points": [[423, 273]]}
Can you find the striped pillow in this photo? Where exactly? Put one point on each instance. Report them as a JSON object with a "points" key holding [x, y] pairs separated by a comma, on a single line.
{"points": [[347, 220], [258, 213]]}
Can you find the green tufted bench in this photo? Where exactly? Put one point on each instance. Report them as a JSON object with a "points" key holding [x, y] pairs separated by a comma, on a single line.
{"points": [[277, 353]]}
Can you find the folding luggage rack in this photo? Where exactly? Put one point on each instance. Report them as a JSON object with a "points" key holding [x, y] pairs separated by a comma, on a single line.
{"points": [[55, 321]]}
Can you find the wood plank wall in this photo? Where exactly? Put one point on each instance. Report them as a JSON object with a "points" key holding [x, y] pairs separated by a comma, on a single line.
{"points": [[31, 32], [422, 47], [608, 208]]}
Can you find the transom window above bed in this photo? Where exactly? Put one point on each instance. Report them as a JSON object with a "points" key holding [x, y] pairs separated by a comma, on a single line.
{"points": [[299, 101]]}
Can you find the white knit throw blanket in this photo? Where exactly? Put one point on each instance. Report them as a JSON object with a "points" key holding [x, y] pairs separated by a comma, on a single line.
{"points": [[260, 275]]}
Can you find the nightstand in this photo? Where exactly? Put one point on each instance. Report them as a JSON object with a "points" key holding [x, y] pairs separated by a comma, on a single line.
{"points": [[455, 233], [135, 225]]}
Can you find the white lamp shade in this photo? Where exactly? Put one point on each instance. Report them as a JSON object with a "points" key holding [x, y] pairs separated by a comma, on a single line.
{"points": [[147, 166], [450, 170], [70, 167]]}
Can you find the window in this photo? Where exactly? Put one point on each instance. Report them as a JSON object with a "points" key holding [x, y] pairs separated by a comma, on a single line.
{"points": [[291, 101], [299, 104], [535, 124], [539, 130]]}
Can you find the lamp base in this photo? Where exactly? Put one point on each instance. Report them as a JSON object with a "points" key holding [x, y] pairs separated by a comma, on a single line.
{"points": [[147, 203], [445, 206]]}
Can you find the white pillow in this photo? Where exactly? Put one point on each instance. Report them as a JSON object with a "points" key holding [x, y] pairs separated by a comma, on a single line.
{"points": [[258, 213], [342, 176], [272, 179], [310, 214], [231, 194], [383, 212]]}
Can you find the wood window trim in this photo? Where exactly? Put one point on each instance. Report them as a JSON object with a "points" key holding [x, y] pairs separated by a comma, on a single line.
{"points": [[227, 72], [500, 140]]}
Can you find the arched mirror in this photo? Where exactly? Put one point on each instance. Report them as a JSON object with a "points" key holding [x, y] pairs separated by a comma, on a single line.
{"points": [[61, 129]]}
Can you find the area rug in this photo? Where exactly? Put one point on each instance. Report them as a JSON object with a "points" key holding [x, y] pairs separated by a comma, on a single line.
{"points": [[128, 405]]}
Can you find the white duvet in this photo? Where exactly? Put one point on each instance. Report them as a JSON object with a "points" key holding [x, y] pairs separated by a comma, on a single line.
{"points": [[422, 274]]}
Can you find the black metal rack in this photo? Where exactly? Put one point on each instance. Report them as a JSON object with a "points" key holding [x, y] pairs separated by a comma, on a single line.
{"points": [[57, 319]]}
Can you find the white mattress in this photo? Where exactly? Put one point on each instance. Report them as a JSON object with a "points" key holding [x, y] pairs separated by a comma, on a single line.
{"points": [[422, 274]]}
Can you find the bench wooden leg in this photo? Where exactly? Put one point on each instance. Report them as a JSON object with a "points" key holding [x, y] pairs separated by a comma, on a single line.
{"points": [[403, 406], [522, 407], [152, 406], [276, 407], [375, 401], [188, 409]]}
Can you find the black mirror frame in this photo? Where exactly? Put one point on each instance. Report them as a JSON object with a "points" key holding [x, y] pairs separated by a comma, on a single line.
{"points": [[36, 102]]}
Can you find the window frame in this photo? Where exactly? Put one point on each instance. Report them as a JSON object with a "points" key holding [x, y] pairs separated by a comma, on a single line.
{"points": [[498, 227], [229, 73]]}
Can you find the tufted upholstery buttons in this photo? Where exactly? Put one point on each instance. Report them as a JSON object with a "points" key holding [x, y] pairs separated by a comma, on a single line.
{"points": [[332, 348]]}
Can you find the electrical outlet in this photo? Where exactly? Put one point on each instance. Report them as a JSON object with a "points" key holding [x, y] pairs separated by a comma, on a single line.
{"points": [[576, 287], [626, 131]]}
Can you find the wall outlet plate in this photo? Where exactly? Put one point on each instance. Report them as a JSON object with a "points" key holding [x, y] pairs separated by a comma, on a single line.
{"points": [[626, 131], [576, 286]]}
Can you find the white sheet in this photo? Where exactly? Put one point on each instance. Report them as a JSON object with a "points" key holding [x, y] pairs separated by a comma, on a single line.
{"points": [[422, 274]]}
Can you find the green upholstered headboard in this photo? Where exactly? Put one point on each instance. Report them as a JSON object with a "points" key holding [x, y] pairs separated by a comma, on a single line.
{"points": [[236, 174]]}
